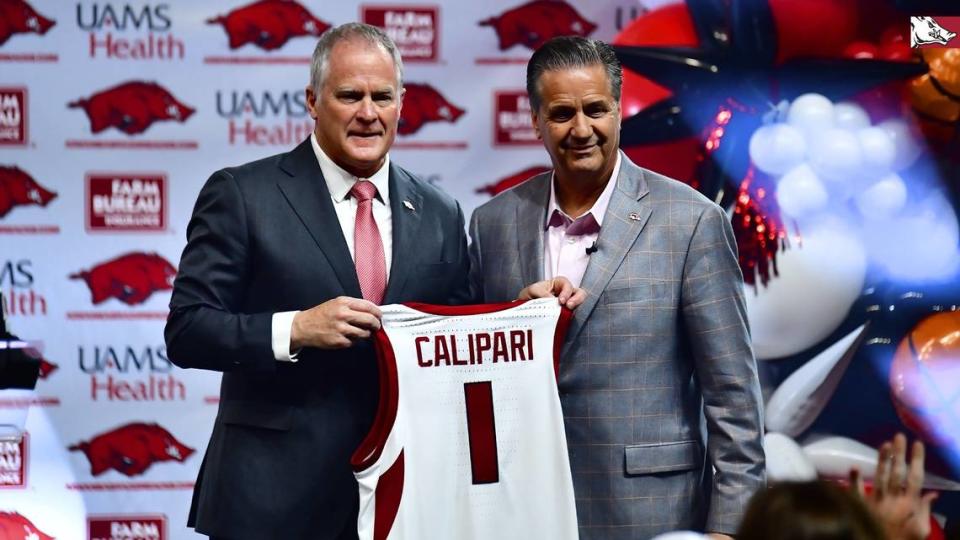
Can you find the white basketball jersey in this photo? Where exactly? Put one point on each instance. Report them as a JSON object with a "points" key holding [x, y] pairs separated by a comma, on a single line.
{"points": [[468, 442]]}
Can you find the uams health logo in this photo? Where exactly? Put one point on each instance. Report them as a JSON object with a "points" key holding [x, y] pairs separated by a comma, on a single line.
{"points": [[130, 527], [13, 463], [126, 373], [129, 32], [13, 116], [933, 31], [126, 202], [415, 29], [18, 17], [260, 118], [14, 526], [19, 289], [269, 24], [130, 278], [132, 107], [534, 23], [511, 119], [131, 449]]}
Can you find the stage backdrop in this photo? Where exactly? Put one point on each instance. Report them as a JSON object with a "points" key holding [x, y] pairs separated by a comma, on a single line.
{"points": [[112, 116]]}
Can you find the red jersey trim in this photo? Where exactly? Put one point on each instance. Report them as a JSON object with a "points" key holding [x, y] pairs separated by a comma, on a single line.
{"points": [[388, 495], [372, 446], [475, 309]]}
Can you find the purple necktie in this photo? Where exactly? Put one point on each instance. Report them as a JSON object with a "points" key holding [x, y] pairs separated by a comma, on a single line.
{"points": [[367, 245]]}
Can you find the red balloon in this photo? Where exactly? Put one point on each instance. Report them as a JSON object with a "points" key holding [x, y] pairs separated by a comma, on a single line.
{"points": [[860, 49], [897, 51], [668, 25], [832, 22]]}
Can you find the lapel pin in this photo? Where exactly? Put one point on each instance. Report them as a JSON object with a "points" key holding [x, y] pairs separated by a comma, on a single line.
{"points": [[635, 216], [409, 206]]}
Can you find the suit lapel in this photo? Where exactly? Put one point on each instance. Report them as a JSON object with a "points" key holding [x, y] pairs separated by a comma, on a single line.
{"points": [[531, 214], [626, 216], [306, 192], [406, 231]]}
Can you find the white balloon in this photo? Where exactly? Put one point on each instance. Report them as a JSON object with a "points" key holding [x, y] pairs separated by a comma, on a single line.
{"points": [[835, 155], [850, 116], [786, 461], [776, 148], [877, 151], [919, 243], [820, 276], [811, 113], [800, 192], [883, 199], [907, 147], [798, 401]]}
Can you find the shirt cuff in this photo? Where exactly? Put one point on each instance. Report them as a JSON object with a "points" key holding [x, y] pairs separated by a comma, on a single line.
{"points": [[281, 328]]}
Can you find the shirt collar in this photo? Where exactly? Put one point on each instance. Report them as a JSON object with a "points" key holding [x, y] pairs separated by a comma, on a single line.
{"points": [[599, 207], [340, 181]]}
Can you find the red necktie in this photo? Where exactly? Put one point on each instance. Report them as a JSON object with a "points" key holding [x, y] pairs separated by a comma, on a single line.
{"points": [[367, 245]]}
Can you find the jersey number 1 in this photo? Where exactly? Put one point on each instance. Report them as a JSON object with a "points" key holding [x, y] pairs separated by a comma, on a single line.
{"points": [[482, 432]]}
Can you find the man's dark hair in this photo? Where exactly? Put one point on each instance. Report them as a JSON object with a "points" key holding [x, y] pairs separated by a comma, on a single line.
{"points": [[571, 52]]}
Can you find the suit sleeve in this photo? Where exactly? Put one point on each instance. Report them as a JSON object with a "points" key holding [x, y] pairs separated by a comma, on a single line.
{"points": [[206, 328], [714, 312]]}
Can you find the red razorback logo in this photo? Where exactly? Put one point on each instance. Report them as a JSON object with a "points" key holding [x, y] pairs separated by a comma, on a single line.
{"points": [[17, 17], [421, 104], [534, 23], [132, 449], [46, 368], [269, 24], [13, 526], [515, 179], [130, 278], [132, 107], [18, 188]]}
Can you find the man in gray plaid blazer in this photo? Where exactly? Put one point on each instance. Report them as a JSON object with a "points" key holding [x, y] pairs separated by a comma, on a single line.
{"points": [[657, 379]]}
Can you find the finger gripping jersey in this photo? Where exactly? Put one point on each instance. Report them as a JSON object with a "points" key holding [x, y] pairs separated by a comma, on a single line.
{"points": [[468, 442]]}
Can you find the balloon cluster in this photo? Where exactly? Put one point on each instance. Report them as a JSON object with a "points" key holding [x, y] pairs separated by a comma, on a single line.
{"points": [[832, 164]]}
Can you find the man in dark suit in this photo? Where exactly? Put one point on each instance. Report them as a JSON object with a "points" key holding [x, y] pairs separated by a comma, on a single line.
{"points": [[657, 377], [286, 261]]}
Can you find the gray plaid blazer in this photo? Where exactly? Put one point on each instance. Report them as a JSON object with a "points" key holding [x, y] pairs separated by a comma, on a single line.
{"points": [[658, 381]]}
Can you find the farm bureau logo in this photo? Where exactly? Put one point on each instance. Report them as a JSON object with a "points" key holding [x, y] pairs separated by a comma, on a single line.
{"points": [[126, 202], [13, 116], [130, 527], [18, 17], [269, 24], [131, 449], [415, 29], [13, 463], [130, 278], [108, 23], [511, 122], [131, 107], [20, 295], [265, 118], [127, 373]]}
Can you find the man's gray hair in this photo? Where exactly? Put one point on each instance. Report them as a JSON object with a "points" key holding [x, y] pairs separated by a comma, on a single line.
{"points": [[348, 31], [572, 52]]}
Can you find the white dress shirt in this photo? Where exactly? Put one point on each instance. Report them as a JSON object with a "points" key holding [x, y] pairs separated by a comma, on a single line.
{"points": [[566, 255], [339, 182]]}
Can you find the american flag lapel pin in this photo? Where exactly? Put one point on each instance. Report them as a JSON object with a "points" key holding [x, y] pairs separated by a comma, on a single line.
{"points": [[635, 216], [409, 206]]}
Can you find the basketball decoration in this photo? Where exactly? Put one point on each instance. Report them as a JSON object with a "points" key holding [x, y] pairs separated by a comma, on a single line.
{"points": [[925, 378]]}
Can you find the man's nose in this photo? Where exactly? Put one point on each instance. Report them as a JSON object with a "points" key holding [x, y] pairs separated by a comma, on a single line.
{"points": [[367, 111], [581, 128]]}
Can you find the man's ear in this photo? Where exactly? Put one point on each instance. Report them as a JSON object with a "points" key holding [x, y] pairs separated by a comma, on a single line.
{"points": [[403, 92], [311, 102], [535, 119]]}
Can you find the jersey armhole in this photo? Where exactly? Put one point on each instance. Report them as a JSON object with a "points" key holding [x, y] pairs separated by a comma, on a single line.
{"points": [[373, 444]]}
